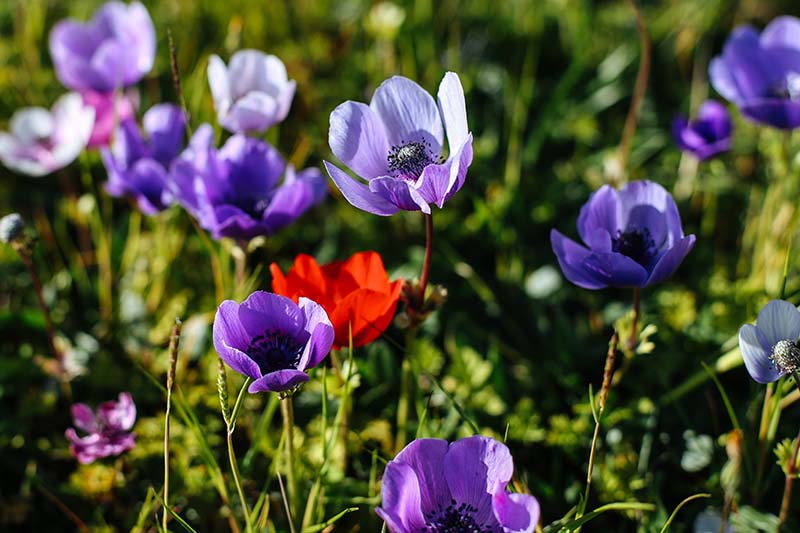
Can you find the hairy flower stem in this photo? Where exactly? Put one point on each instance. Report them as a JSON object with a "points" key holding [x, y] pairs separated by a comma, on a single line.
{"points": [[176, 79], [791, 473], [404, 402], [230, 422], [608, 372], [288, 430], [174, 340], [639, 89], [426, 263]]}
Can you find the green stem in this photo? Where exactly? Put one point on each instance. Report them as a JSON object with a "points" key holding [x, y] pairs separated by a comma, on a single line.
{"points": [[238, 482], [173, 360], [791, 473], [426, 263], [404, 400], [288, 430]]}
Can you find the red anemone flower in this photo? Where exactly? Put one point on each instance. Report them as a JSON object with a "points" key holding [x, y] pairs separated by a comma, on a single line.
{"points": [[355, 293]]}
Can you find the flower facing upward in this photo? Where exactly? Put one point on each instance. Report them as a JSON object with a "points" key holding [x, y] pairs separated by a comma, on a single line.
{"points": [[42, 141], [761, 73], [396, 143], [707, 135], [108, 430], [356, 293], [138, 166], [461, 487], [271, 339], [252, 93], [769, 348], [634, 238], [234, 192], [115, 49]]}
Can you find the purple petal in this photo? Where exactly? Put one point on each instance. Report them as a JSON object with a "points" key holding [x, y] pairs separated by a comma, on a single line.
{"points": [[454, 111], [264, 311], [231, 221], [650, 193], [400, 193], [646, 218], [600, 212], [254, 112], [231, 340], [358, 194], [255, 166], [717, 116], [615, 269], [278, 381], [671, 260], [426, 458], [83, 417], [473, 468], [296, 195], [777, 112], [748, 65], [778, 320], [357, 137], [165, 125], [782, 32], [438, 183], [400, 492], [118, 415], [320, 331], [570, 257], [408, 113], [756, 359], [517, 513]]}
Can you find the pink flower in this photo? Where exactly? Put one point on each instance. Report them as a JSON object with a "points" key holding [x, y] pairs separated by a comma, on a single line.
{"points": [[108, 430]]}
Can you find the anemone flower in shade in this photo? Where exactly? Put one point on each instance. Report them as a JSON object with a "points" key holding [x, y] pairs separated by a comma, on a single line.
{"points": [[761, 73], [439, 487], [115, 49], [633, 238], [108, 430], [707, 135], [252, 93], [395, 143], [137, 165], [110, 109], [272, 340], [42, 141], [356, 293], [234, 192], [769, 348]]}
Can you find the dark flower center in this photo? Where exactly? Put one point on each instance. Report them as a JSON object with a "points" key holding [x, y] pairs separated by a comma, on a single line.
{"points": [[785, 356], [455, 518], [408, 160], [636, 244], [788, 87], [275, 350]]}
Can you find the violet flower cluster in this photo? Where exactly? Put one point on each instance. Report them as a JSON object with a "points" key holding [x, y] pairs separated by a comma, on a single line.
{"points": [[435, 486], [108, 430]]}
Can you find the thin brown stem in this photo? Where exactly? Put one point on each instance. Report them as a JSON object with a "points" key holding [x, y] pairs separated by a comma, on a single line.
{"points": [[176, 79], [173, 360], [27, 259], [638, 91], [426, 263], [791, 473]]}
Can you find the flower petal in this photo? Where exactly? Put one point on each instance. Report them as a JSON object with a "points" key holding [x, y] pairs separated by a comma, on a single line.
{"points": [[426, 457], [570, 257], [264, 311], [359, 195], [400, 492], [408, 113], [254, 112], [83, 417], [645, 192], [517, 513], [600, 212], [671, 260], [165, 125], [778, 320], [231, 340], [400, 193], [756, 359], [777, 112], [321, 334], [357, 137], [454, 111], [278, 381], [615, 269], [294, 197]]}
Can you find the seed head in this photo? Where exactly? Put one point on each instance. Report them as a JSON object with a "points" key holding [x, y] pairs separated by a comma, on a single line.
{"points": [[11, 227]]}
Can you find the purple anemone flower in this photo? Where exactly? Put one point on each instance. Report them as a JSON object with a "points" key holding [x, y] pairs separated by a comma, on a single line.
{"points": [[769, 348], [633, 238], [42, 141], [252, 93], [761, 73], [234, 192], [138, 166], [108, 431], [707, 135], [272, 340], [115, 49], [435, 486], [395, 143]]}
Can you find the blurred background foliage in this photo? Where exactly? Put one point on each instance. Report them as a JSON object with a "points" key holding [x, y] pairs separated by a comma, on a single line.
{"points": [[512, 353]]}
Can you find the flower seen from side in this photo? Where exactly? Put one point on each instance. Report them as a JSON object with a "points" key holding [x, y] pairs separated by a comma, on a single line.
{"points": [[707, 135], [108, 430], [41, 141], [110, 110], [234, 191], [115, 49], [760, 73], [272, 340], [396, 144], [632, 238], [252, 93], [769, 348], [439, 487], [356, 293], [138, 165]]}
